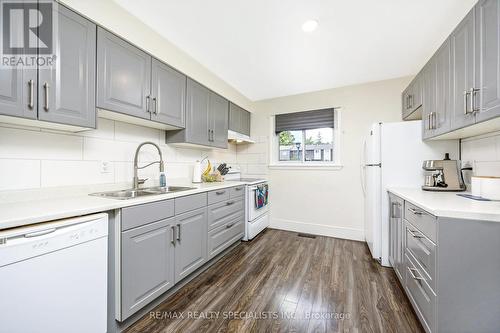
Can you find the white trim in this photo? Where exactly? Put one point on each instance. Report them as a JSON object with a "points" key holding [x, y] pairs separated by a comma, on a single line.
{"points": [[312, 166], [318, 229]]}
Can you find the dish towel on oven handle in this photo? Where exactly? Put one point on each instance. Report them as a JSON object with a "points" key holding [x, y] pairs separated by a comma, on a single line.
{"points": [[261, 195]]}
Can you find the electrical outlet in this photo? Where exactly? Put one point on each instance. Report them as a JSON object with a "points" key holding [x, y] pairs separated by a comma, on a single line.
{"points": [[105, 167]]}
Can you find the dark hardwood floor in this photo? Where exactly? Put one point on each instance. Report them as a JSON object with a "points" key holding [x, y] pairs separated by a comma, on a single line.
{"points": [[280, 282]]}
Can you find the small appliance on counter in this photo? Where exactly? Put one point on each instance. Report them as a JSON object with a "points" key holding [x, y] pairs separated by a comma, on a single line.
{"points": [[443, 175]]}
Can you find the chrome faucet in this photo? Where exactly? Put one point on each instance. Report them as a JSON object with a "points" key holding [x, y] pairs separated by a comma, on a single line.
{"points": [[138, 181]]}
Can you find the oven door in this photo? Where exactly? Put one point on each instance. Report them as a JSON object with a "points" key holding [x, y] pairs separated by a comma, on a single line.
{"points": [[253, 212]]}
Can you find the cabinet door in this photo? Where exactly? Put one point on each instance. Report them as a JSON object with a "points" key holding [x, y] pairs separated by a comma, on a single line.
{"points": [[245, 122], [405, 101], [392, 233], [487, 58], [441, 118], [197, 129], [234, 117], [123, 76], [462, 73], [66, 91], [429, 97], [191, 242], [218, 117], [18, 87], [147, 264], [168, 94]]}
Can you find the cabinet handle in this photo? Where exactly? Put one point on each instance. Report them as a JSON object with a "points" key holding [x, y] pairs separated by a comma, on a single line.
{"points": [[414, 211], [147, 104], [172, 240], [473, 92], [220, 192], [30, 95], [179, 232], [229, 225], [229, 203], [238, 188], [410, 100], [46, 89], [209, 135], [212, 131], [412, 270], [414, 235], [393, 210], [156, 110], [466, 109]]}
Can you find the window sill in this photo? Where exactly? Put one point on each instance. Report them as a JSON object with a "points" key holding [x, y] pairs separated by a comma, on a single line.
{"points": [[325, 167]]}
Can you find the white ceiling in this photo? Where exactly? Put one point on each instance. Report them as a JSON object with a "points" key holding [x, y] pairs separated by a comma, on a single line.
{"points": [[259, 48]]}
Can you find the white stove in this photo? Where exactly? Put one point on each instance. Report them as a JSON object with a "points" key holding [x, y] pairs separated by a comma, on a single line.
{"points": [[256, 219]]}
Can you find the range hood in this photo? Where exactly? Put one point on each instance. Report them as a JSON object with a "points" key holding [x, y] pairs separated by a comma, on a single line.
{"points": [[236, 137]]}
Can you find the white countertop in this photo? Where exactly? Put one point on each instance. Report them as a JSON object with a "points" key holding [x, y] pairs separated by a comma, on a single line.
{"points": [[449, 204], [20, 208]]}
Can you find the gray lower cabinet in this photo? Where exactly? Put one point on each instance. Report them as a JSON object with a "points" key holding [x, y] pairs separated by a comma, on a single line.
{"points": [[66, 92], [123, 76], [488, 59], [222, 237], [190, 242], [147, 265], [206, 118], [239, 119], [396, 236], [450, 269], [168, 94]]}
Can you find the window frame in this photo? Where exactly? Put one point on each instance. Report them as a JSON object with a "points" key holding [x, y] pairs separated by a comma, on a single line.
{"points": [[335, 164]]}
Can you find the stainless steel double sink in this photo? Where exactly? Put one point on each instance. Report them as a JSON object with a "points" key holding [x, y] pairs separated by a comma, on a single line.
{"points": [[136, 193]]}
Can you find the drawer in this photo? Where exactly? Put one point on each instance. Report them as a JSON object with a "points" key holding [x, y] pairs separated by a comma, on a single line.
{"points": [[136, 216], [237, 191], [226, 211], [190, 202], [420, 294], [424, 252], [218, 195], [222, 237], [422, 220]]}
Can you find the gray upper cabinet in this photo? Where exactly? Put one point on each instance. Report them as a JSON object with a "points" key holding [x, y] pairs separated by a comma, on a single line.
{"points": [[17, 95], [206, 118], [441, 118], [66, 92], [123, 76], [429, 101], [190, 242], [218, 120], [147, 264], [412, 98], [462, 72], [239, 119], [168, 94], [487, 59]]}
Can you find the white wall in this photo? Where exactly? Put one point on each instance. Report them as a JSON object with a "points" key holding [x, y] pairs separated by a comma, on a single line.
{"points": [[328, 202], [483, 154], [38, 158], [114, 18]]}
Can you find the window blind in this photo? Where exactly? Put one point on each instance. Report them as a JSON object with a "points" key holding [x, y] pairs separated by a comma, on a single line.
{"points": [[304, 120]]}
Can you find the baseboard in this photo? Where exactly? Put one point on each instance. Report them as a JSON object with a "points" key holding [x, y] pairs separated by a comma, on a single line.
{"points": [[318, 229]]}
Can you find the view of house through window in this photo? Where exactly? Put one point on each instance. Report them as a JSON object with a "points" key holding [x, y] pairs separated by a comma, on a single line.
{"points": [[312, 145]]}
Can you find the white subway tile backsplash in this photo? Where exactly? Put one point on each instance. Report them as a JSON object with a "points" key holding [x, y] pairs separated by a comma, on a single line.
{"points": [[65, 173], [19, 174], [34, 158], [26, 144], [483, 152]]}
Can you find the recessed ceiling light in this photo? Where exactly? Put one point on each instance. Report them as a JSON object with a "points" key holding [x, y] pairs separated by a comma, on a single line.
{"points": [[310, 25]]}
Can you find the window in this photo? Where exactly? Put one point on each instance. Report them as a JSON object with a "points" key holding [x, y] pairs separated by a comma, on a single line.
{"points": [[306, 139]]}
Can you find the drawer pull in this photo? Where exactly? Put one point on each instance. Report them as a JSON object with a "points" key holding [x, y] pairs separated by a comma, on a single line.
{"points": [[229, 203], [229, 225], [238, 188], [172, 240], [414, 235], [411, 270], [416, 212], [220, 192]]}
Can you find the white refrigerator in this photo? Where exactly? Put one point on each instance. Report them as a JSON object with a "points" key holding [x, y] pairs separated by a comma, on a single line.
{"points": [[392, 157]]}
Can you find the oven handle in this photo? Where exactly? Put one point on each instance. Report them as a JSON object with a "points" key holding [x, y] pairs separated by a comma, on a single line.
{"points": [[252, 188]]}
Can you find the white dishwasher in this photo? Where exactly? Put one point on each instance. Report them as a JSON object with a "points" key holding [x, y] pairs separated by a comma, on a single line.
{"points": [[53, 276]]}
